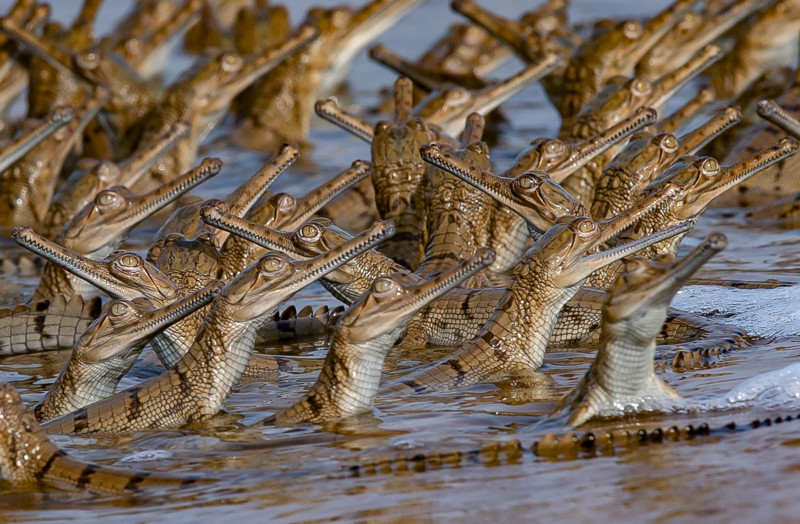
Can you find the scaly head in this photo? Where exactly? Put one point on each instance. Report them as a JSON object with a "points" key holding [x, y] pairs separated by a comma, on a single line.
{"points": [[125, 323], [266, 283], [107, 220], [533, 196], [703, 179], [392, 300], [121, 274], [652, 283], [21, 438]]}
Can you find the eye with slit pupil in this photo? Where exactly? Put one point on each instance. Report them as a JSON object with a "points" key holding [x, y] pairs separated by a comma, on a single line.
{"points": [[119, 309], [271, 264], [382, 285]]}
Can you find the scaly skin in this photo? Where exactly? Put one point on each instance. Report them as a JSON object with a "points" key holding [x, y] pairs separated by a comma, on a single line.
{"points": [[515, 339], [28, 185], [104, 223], [282, 211], [83, 184], [461, 57], [456, 317], [569, 446], [109, 347], [538, 33], [645, 157], [282, 107], [694, 31], [200, 383], [613, 49], [50, 87], [701, 181], [140, 37], [459, 215], [768, 41], [13, 74], [130, 97], [683, 114], [201, 96], [364, 335], [559, 159], [400, 179], [618, 100], [29, 457], [448, 109], [621, 379], [127, 275], [46, 325], [186, 221], [776, 182]]}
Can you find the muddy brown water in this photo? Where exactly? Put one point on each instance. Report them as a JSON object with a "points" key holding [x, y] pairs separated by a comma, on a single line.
{"points": [[301, 474]]}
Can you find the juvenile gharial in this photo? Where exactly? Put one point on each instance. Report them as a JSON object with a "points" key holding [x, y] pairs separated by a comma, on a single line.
{"points": [[28, 185], [109, 347], [645, 157], [200, 383], [280, 109], [701, 180], [363, 336], [103, 224], [29, 457], [621, 380], [201, 97], [617, 100]]}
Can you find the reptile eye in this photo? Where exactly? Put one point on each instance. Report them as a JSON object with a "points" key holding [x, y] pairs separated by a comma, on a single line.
{"points": [[587, 227], [479, 147], [669, 143], [710, 166], [119, 309], [632, 29], [286, 202], [309, 232], [640, 87], [106, 198], [456, 94], [272, 264], [382, 285], [87, 60], [382, 126], [129, 260], [527, 182], [231, 63], [553, 147]]}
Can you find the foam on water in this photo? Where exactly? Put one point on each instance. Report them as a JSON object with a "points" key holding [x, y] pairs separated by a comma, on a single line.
{"points": [[761, 312]]}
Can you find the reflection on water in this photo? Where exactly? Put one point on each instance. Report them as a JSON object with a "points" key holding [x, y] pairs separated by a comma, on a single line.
{"points": [[301, 473]]}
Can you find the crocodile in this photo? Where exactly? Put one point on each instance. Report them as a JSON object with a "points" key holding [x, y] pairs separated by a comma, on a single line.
{"points": [[701, 179], [455, 318], [694, 31], [537, 33], [103, 224], [126, 275], [201, 97], [21, 145], [141, 36], [515, 338], [29, 458], [616, 101], [13, 74], [459, 215], [687, 111], [645, 157], [364, 335], [109, 347], [95, 176], [566, 446], [621, 379], [200, 383], [130, 96], [282, 211], [28, 185], [769, 40], [280, 108], [50, 87]]}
